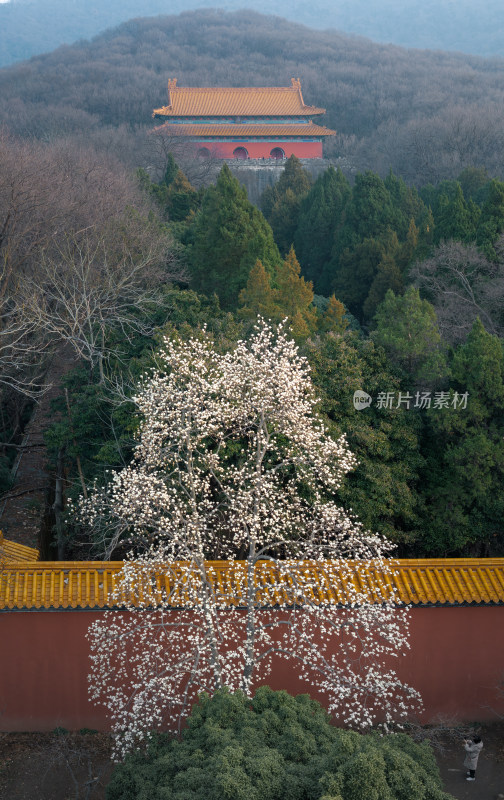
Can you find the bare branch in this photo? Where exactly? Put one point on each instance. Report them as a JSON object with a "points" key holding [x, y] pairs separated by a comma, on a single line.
{"points": [[462, 285]]}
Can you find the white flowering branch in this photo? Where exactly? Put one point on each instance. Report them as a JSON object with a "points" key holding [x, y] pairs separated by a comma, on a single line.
{"points": [[233, 463]]}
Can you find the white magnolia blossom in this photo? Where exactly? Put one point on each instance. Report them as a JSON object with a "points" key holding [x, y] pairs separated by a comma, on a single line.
{"points": [[233, 463]]}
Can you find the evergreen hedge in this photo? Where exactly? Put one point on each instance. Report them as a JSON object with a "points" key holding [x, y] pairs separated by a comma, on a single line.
{"points": [[275, 747]]}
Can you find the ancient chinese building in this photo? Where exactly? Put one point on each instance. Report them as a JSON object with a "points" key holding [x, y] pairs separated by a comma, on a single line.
{"points": [[264, 122]]}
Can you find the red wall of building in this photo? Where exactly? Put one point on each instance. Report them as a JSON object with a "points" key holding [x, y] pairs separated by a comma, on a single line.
{"points": [[261, 149], [456, 661]]}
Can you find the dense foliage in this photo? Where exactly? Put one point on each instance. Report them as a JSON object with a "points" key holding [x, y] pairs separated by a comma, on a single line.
{"points": [[95, 421], [337, 256], [226, 239], [411, 480], [272, 747], [465, 453]]}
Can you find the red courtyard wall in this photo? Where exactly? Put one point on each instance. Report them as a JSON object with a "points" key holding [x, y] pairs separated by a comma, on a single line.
{"points": [[456, 661], [261, 149]]}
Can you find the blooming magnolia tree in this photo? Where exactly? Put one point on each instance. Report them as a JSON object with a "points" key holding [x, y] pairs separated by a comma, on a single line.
{"points": [[233, 464]]}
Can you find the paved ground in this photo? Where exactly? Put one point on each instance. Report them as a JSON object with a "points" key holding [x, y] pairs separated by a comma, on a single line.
{"points": [[489, 781], [44, 766]]}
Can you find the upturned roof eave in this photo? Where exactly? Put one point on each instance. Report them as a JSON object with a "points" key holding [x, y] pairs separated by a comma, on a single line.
{"points": [[168, 111], [232, 130], [243, 101]]}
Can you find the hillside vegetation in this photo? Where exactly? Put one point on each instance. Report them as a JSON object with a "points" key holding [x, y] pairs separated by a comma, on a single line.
{"points": [[31, 27], [389, 288], [425, 115]]}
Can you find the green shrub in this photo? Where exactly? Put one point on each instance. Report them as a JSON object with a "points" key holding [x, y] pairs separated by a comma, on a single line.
{"points": [[274, 747]]}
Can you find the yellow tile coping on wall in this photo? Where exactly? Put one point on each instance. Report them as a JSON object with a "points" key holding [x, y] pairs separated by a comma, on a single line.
{"points": [[417, 582]]}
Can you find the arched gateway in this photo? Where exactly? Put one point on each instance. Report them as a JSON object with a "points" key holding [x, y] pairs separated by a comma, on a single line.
{"points": [[240, 152], [277, 153]]}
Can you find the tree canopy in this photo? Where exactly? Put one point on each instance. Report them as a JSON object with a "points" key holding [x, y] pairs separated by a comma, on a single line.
{"points": [[228, 236], [271, 747], [406, 327], [465, 456]]}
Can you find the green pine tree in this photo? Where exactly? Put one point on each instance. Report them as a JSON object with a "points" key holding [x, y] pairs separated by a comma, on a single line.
{"points": [[406, 327], [281, 203], [406, 201], [388, 276], [369, 214], [357, 270], [384, 489], [174, 194], [464, 479], [320, 215], [228, 236], [455, 218], [491, 222], [473, 180], [379, 227]]}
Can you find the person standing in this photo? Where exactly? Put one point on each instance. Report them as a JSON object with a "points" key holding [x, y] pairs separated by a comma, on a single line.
{"points": [[473, 748]]}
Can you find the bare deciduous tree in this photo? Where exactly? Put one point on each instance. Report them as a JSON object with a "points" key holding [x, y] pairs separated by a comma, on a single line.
{"points": [[89, 287], [462, 285], [199, 171], [79, 249], [48, 192]]}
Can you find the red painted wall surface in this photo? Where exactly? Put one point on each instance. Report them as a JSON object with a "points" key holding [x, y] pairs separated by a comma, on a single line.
{"points": [[456, 661], [261, 149]]}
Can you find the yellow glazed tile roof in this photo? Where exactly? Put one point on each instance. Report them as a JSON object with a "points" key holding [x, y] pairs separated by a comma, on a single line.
{"points": [[227, 101], [418, 582], [14, 552], [248, 131]]}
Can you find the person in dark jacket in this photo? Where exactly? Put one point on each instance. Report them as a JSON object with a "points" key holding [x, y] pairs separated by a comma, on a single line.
{"points": [[473, 748]]}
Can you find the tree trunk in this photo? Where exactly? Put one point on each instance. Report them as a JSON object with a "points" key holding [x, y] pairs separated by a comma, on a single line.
{"points": [[58, 506]]}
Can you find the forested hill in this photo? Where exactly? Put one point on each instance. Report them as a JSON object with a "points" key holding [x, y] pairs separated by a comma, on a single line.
{"points": [[77, 225], [426, 115], [30, 27]]}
